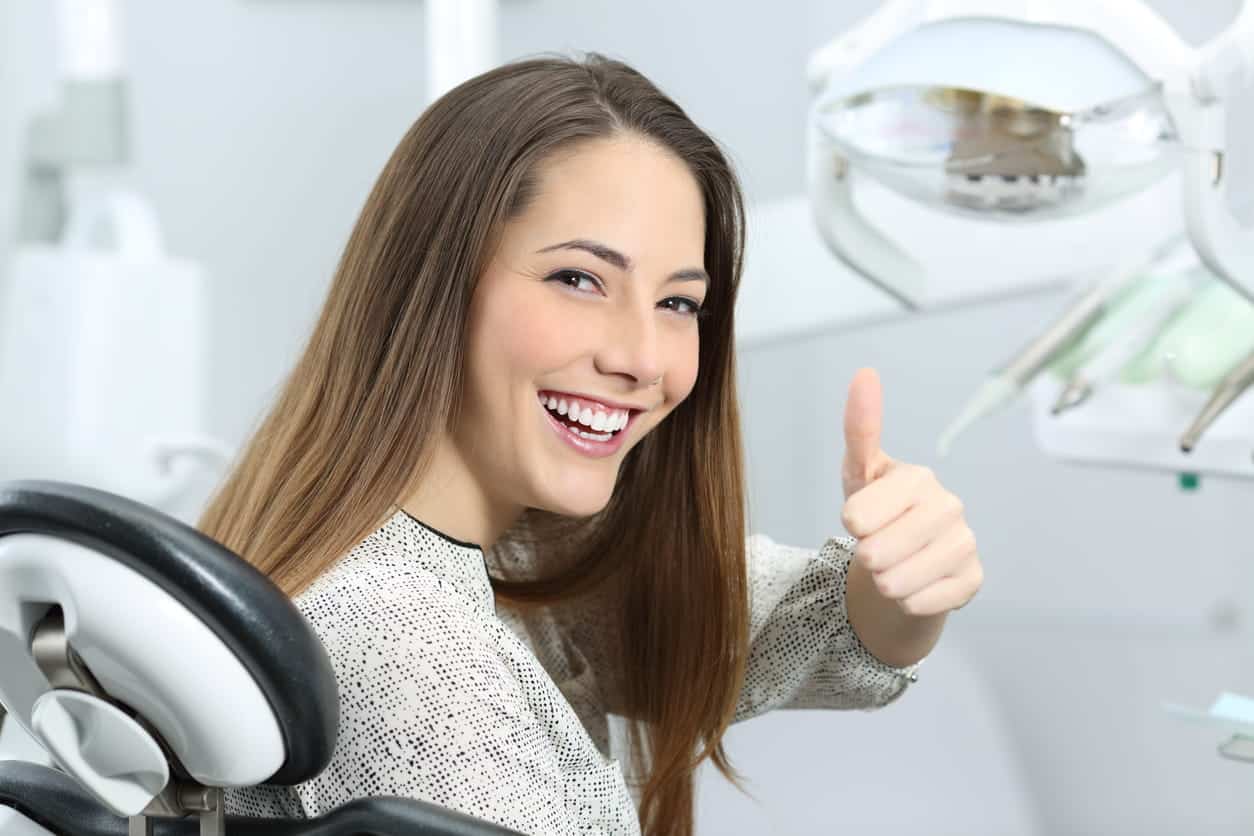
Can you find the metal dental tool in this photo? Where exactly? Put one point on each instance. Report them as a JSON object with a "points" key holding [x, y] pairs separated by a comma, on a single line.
{"points": [[1234, 384], [1005, 384]]}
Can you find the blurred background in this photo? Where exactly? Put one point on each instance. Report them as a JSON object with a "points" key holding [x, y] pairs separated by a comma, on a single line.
{"points": [[256, 128]]}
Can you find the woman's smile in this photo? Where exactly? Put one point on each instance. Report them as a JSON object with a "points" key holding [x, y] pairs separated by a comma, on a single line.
{"points": [[590, 427]]}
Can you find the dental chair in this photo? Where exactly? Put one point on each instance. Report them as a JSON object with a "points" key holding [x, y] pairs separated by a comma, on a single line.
{"points": [[157, 668]]}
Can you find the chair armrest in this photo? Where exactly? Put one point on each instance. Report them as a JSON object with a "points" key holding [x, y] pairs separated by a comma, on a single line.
{"points": [[57, 803]]}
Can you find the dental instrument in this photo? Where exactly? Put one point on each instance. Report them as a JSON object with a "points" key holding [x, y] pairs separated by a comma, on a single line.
{"points": [[1005, 384], [1235, 384]]}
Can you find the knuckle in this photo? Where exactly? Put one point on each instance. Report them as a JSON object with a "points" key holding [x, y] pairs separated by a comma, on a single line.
{"points": [[977, 577], [969, 541], [852, 521]]}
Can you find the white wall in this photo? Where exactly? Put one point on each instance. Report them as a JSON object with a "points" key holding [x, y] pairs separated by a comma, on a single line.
{"points": [[26, 83], [260, 126]]}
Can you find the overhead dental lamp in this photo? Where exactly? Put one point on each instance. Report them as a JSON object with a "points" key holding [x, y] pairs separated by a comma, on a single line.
{"points": [[1018, 112]]}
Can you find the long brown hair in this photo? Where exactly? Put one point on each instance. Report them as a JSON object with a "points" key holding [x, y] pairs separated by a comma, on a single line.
{"points": [[351, 430]]}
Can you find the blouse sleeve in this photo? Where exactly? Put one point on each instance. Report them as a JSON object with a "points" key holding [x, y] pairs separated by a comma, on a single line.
{"points": [[803, 652], [430, 710]]}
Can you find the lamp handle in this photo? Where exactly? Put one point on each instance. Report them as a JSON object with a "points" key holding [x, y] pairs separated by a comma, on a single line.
{"points": [[850, 234], [1222, 241]]}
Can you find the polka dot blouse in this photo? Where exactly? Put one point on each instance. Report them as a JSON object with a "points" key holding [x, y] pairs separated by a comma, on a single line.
{"points": [[502, 716]]}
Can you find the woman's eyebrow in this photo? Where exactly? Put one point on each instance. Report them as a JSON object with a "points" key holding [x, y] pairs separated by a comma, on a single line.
{"points": [[622, 262], [598, 249]]}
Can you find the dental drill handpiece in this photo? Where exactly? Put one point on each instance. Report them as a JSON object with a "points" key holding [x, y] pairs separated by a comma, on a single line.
{"points": [[1234, 384], [1004, 384]]}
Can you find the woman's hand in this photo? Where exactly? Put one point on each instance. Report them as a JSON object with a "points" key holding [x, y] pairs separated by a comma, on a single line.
{"points": [[916, 555]]}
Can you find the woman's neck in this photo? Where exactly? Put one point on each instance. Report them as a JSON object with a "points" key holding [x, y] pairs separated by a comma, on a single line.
{"points": [[450, 499]]}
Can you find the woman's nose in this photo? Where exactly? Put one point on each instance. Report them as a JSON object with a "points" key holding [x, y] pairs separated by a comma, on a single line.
{"points": [[631, 348]]}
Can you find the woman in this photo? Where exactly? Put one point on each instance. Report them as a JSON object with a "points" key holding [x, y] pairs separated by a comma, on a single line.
{"points": [[504, 480]]}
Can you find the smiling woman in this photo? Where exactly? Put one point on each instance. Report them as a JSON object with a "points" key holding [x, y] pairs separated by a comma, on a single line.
{"points": [[504, 480]]}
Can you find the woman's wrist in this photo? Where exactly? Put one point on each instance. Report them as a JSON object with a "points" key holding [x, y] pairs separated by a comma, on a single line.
{"points": [[892, 635]]}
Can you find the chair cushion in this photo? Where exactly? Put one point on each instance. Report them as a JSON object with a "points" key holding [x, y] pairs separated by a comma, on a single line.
{"points": [[251, 616]]}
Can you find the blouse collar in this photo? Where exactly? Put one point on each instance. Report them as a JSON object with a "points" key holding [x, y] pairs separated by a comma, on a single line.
{"points": [[459, 564]]}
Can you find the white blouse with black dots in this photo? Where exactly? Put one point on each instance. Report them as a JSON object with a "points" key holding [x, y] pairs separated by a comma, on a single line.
{"points": [[503, 717]]}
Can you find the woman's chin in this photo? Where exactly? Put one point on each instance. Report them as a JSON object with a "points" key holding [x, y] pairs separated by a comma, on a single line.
{"points": [[575, 503]]}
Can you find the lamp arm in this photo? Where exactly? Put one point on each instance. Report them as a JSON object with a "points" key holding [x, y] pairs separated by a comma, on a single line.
{"points": [[849, 233], [1223, 241]]}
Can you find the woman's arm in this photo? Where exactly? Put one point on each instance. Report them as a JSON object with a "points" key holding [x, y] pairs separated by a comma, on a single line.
{"points": [[804, 652]]}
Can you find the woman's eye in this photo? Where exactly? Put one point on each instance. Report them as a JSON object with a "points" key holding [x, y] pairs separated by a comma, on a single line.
{"points": [[573, 278], [586, 283], [684, 305]]}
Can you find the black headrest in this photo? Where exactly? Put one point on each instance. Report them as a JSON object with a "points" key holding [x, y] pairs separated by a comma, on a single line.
{"points": [[57, 803], [268, 635]]}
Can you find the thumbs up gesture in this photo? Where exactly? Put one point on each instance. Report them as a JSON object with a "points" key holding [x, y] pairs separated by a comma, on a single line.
{"points": [[914, 545]]}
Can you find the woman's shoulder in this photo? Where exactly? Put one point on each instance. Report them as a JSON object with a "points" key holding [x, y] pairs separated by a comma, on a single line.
{"points": [[389, 586]]}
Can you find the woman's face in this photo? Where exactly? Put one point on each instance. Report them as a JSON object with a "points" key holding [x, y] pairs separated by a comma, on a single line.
{"points": [[591, 297]]}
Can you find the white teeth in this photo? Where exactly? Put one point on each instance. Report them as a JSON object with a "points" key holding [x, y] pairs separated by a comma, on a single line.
{"points": [[602, 424]]}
